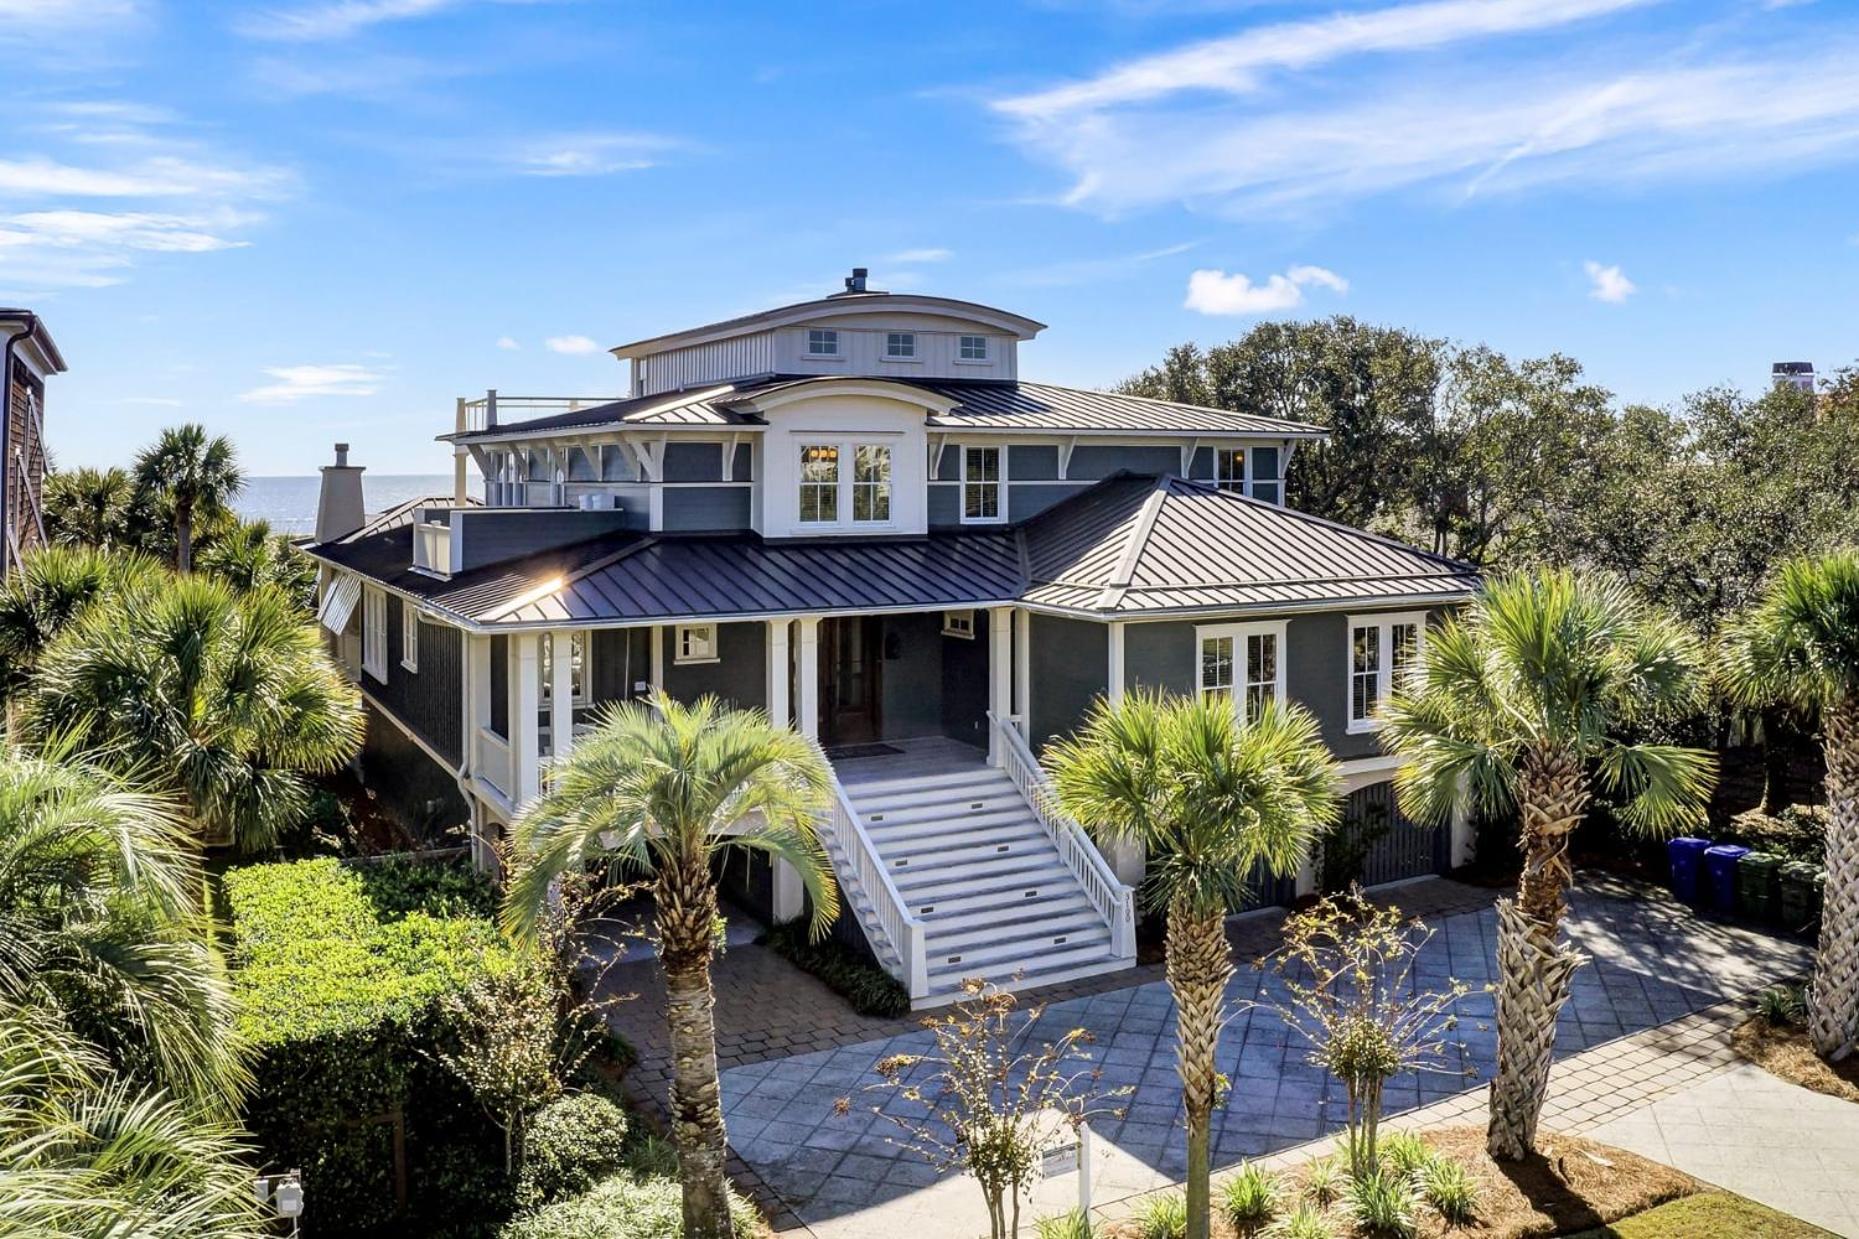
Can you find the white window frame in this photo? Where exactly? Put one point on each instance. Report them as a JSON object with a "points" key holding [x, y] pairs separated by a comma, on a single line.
{"points": [[409, 636], [906, 340], [959, 624], [1225, 480], [374, 632], [1253, 479], [845, 483], [695, 643], [1238, 691], [999, 484], [836, 487], [980, 359], [823, 335], [545, 663], [1384, 622]]}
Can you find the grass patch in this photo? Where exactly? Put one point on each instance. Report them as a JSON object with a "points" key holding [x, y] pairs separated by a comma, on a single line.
{"points": [[1708, 1215], [1787, 1053]]}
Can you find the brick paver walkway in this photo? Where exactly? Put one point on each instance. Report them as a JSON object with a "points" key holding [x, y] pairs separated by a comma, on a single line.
{"points": [[1657, 972]]}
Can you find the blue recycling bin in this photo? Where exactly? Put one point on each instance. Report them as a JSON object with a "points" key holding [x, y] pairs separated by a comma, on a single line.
{"points": [[1687, 856], [1720, 873]]}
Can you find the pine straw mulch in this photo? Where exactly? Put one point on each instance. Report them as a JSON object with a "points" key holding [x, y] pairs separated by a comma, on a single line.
{"points": [[1572, 1185], [1788, 1054]]}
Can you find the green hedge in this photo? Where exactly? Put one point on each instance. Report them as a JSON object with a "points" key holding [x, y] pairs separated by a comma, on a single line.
{"points": [[623, 1206], [870, 989], [338, 975]]}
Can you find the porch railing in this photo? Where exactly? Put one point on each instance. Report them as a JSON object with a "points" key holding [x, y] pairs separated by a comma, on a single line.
{"points": [[1114, 901], [864, 868], [490, 760], [487, 412]]}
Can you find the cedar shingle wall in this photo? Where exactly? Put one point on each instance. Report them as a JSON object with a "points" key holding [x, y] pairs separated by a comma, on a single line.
{"points": [[23, 444]]}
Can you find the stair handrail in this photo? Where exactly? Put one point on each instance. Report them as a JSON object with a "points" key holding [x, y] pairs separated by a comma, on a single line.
{"points": [[905, 932], [1114, 900]]}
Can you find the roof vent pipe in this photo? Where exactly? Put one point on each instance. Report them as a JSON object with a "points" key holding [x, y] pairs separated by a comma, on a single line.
{"points": [[855, 283]]}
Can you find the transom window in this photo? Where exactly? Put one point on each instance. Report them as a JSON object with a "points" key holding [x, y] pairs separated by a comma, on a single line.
{"points": [[972, 348], [900, 344], [822, 342], [577, 668], [958, 624], [695, 643], [981, 485], [1385, 653], [1243, 663], [829, 491]]}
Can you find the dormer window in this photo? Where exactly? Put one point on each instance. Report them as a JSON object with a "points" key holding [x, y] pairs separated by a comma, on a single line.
{"points": [[819, 484], [981, 485], [900, 345], [822, 342], [828, 491], [972, 348]]}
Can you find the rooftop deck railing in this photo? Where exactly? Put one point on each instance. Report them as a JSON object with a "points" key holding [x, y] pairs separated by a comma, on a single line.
{"points": [[491, 410]]}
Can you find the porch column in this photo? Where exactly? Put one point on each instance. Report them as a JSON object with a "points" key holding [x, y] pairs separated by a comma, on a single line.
{"points": [[525, 705], [1126, 858], [561, 693], [778, 673], [1113, 671], [1000, 676], [807, 688], [478, 681], [656, 635], [1023, 670]]}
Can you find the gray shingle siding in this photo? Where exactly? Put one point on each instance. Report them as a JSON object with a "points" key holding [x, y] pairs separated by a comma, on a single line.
{"points": [[965, 683], [428, 700], [1032, 463], [1091, 460], [1025, 502], [706, 509], [694, 462], [738, 676], [1069, 660]]}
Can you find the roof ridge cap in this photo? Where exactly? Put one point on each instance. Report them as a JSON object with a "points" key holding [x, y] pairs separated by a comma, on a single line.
{"points": [[1324, 521], [1125, 571]]}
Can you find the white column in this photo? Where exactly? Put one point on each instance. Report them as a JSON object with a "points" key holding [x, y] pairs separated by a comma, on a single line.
{"points": [[807, 676], [1113, 672], [656, 635], [1000, 675], [1023, 669], [561, 693], [778, 673], [525, 705]]}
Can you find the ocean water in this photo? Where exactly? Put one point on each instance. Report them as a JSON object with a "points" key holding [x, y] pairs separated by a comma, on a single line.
{"points": [[289, 503]]}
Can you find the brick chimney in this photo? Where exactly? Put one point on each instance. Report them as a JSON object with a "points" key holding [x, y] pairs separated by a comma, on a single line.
{"points": [[339, 510]]}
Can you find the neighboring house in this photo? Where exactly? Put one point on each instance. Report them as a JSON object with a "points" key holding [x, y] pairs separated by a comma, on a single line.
{"points": [[27, 358], [851, 513]]}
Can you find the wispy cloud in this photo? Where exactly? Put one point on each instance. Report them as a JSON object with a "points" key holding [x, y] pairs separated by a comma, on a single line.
{"points": [[316, 22], [904, 258], [1608, 284], [508, 343], [1216, 292], [590, 154], [573, 346], [294, 383], [27, 15], [1281, 118]]}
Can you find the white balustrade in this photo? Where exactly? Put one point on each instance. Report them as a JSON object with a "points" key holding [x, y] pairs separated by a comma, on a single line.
{"points": [[490, 760], [1114, 901]]}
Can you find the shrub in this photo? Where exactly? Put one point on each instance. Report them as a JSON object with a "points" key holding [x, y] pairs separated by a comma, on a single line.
{"points": [[1444, 1184], [1164, 1217], [1250, 1198], [340, 976], [1323, 1182], [1073, 1225], [1305, 1222], [870, 989], [1382, 1205], [621, 1206], [570, 1144], [1783, 1006], [1798, 831], [651, 1155], [1403, 1153]]}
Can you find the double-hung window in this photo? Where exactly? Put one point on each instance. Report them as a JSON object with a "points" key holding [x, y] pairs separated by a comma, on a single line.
{"points": [[871, 483], [822, 342], [374, 632], [1384, 656], [577, 668], [819, 484], [1253, 471], [900, 345], [409, 637], [829, 491], [1243, 663], [981, 485], [1230, 468]]}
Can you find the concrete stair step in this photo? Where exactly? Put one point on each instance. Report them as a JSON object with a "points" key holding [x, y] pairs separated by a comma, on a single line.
{"points": [[946, 976], [1036, 935], [1016, 902], [943, 810], [942, 860], [933, 838], [1025, 950], [1026, 870]]}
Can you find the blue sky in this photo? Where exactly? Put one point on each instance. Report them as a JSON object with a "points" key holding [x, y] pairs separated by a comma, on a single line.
{"points": [[325, 219]]}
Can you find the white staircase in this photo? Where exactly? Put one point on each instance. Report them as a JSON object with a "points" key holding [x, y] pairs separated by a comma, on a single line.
{"points": [[986, 886]]}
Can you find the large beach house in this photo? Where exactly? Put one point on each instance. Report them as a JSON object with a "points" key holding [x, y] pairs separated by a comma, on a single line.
{"points": [[854, 514]]}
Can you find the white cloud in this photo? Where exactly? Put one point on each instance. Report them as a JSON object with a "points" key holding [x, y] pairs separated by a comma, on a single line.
{"points": [[1216, 292], [315, 22], [574, 346], [590, 154], [42, 14], [1264, 124], [508, 342], [134, 230], [304, 382], [903, 258], [1608, 283]]}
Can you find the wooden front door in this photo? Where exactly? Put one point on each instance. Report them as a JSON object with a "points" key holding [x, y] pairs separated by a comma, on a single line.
{"points": [[850, 667]]}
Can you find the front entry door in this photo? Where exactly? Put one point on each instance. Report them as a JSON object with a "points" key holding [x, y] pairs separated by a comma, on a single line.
{"points": [[850, 667]]}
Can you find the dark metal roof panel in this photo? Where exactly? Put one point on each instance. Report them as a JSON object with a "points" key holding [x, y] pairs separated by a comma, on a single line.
{"points": [[1042, 406]]}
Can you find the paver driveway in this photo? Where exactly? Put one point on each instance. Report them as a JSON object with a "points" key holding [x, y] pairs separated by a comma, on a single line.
{"points": [[1653, 961]]}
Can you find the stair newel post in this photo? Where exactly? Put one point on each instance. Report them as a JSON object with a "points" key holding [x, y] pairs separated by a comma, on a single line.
{"points": [[917, 953]]}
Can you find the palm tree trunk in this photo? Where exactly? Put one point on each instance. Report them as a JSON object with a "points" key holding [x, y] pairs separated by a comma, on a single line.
{"points": [[183, 539], [1833, 998], [1534, 966], [686, 914], [1199, 966]]}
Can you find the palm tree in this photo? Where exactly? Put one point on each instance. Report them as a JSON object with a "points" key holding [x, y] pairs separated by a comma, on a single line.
{"points": [[1518, 708], [48, 592], [89, 1154], [1209, 797], [89, 507], [100, 904], [196, 477], [248, 555], [655, 793], [224, 698], [1799, 647]]}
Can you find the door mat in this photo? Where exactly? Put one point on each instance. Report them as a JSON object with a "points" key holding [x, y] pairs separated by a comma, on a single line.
{"points": [[852, 752]]}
